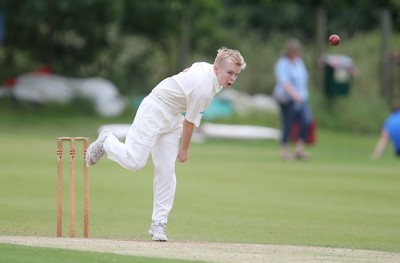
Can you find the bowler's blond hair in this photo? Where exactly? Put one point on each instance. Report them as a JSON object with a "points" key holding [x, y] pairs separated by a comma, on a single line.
{"points": [[229, 55]]}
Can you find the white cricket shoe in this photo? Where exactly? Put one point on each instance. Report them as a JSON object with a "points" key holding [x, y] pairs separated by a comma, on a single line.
{"points": [[95, 150], [158, 231]]}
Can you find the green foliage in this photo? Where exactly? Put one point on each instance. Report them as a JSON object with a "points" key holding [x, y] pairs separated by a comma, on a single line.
{"points": [[21, 109], [56, 33], [350, 114], [136, 44], [365, 109]]}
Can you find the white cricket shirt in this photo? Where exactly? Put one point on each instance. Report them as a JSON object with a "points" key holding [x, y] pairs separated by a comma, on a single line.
{"points": [[191, 91]]}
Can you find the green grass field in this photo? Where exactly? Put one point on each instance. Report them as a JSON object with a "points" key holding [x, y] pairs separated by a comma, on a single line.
{"points": [[228, 191], [20, 254]]}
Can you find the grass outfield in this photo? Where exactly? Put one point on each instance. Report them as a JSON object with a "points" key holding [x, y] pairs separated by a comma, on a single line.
{"points": [[228, 191], [22, 254]]}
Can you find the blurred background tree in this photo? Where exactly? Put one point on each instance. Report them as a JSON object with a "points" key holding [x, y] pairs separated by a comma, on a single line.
{"points": [[62, 34], [137, 43]]}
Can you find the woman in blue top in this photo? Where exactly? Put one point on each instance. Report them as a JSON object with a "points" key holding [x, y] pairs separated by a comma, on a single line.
{"points": [[291, 92], [390, 131]]}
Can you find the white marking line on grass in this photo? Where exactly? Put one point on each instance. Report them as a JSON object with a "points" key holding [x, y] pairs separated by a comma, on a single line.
{"points": [[211, 252]]}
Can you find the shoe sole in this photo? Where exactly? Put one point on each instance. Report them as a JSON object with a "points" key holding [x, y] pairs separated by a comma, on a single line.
{"points": [[89, 149], [159, 239], [87, 157]]}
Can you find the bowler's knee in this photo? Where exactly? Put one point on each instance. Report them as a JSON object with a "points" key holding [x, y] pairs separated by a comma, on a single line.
{"points": [[134, 166]]}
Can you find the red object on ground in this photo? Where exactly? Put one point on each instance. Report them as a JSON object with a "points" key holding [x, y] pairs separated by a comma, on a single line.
{"points": [[10, 83], [43, 70], [311, 132]]}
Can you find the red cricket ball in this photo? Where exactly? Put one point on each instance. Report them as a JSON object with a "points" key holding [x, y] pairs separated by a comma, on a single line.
{"points": [[334, 40]]}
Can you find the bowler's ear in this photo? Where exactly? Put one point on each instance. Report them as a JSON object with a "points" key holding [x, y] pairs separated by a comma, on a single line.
{"points": [[216, 67]]}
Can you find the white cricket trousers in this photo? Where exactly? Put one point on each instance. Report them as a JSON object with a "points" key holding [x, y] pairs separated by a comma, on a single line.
{"points": [[154, 130]]}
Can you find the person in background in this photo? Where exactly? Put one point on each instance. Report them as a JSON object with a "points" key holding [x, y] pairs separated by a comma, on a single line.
{"points": [[390, 132], [291, 93], [160, 129]]}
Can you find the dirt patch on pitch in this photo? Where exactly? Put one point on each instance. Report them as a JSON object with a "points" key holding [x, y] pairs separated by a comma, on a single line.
{"points": [[210, 252]]}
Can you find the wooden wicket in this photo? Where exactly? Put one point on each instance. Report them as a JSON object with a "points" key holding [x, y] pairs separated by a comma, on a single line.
{"points": [[72, 190]]}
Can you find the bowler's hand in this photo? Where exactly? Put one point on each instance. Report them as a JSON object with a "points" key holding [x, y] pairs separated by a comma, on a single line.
{"points": [[182, 155]]}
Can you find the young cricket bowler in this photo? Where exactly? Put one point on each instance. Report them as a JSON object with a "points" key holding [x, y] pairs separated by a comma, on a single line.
{"points": [[163, 127]]}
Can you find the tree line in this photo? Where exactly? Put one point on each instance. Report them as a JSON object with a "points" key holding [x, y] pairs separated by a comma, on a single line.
{"points": [[134, 41]]}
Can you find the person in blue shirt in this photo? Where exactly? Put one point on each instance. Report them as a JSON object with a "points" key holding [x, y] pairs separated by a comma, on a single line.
{"points": [[291, 93], [390, 132]]}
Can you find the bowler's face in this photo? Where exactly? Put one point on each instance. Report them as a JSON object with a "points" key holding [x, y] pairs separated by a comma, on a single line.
{"points": [[227, 74]]}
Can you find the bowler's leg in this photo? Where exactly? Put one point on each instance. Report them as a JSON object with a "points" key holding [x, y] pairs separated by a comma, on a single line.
{"points": [[118, 152], [164, 155], [144, 131]]}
